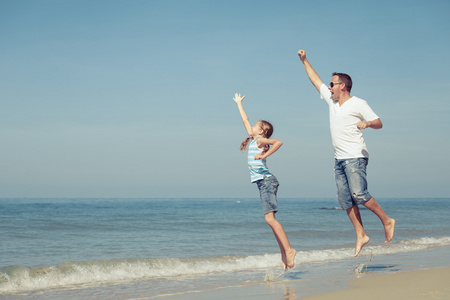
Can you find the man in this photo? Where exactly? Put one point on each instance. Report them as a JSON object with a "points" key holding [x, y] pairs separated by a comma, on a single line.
{"points": [[348, 116]]}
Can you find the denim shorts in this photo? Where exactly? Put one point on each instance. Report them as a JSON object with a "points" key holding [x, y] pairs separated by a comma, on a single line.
{"points": [[268, 187], [351, 182]]}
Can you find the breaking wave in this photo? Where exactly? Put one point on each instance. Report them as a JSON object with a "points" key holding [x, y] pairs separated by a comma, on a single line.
{"points": [[20, 278]]}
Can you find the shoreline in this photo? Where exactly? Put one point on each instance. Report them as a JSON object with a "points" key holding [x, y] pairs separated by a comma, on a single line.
{"points": [[410, 284], [406, 275]]}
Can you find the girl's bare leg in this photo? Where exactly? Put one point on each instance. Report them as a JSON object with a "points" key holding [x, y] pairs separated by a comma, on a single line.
{"points": [[287, 252], [283, 253]]}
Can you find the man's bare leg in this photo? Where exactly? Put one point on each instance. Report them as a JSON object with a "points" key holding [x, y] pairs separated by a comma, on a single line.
{"points": [[361, 238], [388, 223], [287, 252]]}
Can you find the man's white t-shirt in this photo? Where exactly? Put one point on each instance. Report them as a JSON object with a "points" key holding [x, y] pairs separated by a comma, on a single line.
{"points": [[348, 141]]}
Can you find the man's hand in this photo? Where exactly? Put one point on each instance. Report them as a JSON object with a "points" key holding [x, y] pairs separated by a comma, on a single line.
{"points": [[362, 125], [375, 124], [237, 98], [301, 55]]}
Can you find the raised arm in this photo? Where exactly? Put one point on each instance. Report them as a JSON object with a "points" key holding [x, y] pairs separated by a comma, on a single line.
{"points": [[248, 127], [312, 75]]}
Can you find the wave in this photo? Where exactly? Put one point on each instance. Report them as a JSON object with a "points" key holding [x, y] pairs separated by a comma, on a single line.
{"points": [[332, 208], [15, 279]]}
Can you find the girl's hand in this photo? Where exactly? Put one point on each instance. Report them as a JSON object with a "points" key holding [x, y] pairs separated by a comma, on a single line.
{"points": [[258, 157], [262, 142], [237, 98]]}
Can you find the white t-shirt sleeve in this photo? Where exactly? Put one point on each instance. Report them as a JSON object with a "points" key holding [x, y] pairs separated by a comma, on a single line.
{"points": [[325, 93], [366, 112]]}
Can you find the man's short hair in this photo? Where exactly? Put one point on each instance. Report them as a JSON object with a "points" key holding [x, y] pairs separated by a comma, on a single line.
{"points": [[345, 78]]}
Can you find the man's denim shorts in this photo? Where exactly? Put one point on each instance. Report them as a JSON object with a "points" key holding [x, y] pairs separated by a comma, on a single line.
{"points": [[268, 188], [351, 182]]}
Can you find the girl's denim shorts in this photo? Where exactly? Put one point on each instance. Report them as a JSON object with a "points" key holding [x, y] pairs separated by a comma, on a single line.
{"points": [[268, 187]]}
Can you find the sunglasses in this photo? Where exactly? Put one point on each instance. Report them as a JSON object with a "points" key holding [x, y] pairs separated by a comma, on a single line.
{"points": [[334, 83]]}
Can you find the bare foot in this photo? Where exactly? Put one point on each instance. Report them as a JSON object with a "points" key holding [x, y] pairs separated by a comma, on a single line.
{"points": [[290, 257], [389, 231], [360, 243], [283, 261]]}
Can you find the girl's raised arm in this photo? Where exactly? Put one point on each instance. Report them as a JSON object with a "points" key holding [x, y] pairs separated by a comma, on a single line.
{"points": [[238, 99]]}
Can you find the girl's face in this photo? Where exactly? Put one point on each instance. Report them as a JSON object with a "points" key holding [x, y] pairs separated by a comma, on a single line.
{"points": [[257, 129]]}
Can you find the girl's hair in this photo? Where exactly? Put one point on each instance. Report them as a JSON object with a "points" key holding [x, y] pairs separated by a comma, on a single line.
{"points": [[267, 133]]}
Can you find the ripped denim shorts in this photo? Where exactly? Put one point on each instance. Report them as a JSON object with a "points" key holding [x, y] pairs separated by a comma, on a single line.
{"points": [[351, 182]]}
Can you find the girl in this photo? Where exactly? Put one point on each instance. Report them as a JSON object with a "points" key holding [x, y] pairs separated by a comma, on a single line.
{"points": [[262, 146]]}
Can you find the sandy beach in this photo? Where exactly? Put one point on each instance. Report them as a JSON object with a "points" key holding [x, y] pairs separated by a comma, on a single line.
{"points": [[411, 285]]}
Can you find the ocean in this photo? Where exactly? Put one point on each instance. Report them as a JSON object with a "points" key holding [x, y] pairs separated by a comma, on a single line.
{"points": [[158, 248]]}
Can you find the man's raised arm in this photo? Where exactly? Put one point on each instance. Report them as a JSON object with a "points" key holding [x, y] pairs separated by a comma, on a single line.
{"points": [[315, 79]]}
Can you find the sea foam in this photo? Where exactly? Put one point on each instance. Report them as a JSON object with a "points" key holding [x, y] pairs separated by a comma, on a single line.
{"points": [[21, 278]]}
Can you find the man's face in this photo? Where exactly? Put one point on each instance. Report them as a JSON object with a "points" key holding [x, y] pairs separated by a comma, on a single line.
{"points": [[336, 89]]}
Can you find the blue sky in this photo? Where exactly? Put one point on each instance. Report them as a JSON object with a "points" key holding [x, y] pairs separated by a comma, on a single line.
{"points": [[134, 98]]}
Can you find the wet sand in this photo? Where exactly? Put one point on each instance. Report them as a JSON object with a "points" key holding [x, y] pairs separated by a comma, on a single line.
{"points": [[411, 285]]}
